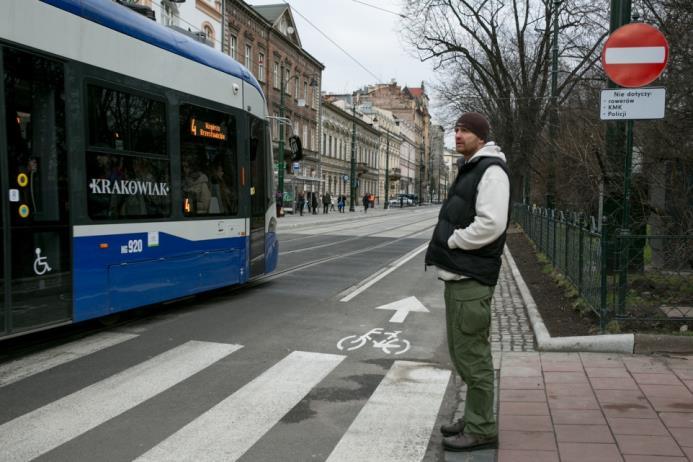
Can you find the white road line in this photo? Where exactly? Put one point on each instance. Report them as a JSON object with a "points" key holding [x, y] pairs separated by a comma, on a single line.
{"points": [[43, 429], [635, 55], [230, 428], [44, 360], [378, 275], [396, 423]]}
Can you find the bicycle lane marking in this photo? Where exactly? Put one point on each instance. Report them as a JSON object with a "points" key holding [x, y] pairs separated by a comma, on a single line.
{"points": [[388, 343]]}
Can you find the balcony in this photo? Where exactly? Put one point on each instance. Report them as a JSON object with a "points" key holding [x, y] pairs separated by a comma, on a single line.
{"points": [[362, 168], [395, 174]]}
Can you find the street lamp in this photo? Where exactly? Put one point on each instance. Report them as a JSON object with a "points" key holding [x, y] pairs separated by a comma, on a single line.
{"points": [[281, 164], [352, 176], [387, 163]]}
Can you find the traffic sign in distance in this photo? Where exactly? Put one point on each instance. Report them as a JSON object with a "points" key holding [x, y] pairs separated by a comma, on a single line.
{"points": [[635, 55]]}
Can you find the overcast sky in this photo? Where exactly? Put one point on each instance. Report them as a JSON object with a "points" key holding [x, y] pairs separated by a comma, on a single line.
{"points": [[366, 33]]}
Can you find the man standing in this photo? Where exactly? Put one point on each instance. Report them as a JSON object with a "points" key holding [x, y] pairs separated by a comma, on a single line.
{"points": [[466, 248]]}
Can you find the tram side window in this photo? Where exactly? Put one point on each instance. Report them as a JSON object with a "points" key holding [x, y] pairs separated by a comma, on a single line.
{"points": [[128, 170], [209, 175]]}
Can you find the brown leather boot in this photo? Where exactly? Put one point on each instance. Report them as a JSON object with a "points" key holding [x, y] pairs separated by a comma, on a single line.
{"points": [[469, 442], [453, 429]]}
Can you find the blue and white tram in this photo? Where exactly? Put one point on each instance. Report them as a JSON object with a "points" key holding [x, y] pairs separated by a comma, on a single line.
{"points": [[135, 164]]}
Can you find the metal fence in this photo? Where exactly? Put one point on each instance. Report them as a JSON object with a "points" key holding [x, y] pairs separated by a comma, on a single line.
{"points": [[644, 278]]}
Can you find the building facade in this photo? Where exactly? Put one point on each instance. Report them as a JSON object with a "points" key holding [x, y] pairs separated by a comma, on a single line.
{"points": [[411, 105], [201, 18], [348, 130], [265, 39]]}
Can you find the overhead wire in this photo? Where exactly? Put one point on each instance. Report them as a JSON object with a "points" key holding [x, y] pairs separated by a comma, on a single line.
{"points": [[377, 78]]}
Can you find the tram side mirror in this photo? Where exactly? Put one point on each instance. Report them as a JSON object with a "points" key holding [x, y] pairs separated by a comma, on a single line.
{"points": [[296, 148]]}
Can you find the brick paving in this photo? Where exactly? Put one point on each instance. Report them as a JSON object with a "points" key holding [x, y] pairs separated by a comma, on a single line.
{"points": [[584, 407]]}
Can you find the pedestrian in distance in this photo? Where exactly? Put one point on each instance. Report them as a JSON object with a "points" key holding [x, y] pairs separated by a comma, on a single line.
{"points": [[300, 203], [401, 202], [340, 203], [332, 209], [314, 203], [466, 249], [365, 203], [326, 200]]}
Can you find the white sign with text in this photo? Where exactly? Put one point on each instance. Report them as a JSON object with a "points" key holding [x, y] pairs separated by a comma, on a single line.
{"points": [[632, 103]]}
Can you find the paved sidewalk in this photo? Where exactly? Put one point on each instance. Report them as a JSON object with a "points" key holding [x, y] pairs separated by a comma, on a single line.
{"points": [[582, 406]]}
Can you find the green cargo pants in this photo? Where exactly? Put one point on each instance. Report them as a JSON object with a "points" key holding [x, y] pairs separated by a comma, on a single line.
{"points": [[468, 318]]}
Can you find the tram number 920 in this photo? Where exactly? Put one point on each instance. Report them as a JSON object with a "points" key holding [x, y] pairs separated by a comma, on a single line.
{"points": [[133, 246]]}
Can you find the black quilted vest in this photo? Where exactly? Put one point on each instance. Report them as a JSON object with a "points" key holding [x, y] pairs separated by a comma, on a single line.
{"points": [[458, 211]]}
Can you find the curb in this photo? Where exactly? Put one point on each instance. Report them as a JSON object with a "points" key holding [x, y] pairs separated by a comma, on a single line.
{"points": [[612, 343]]}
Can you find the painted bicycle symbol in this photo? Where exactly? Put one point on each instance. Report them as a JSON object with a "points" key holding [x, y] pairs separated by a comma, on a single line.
{"points": [[41, 263], [389, 342]]}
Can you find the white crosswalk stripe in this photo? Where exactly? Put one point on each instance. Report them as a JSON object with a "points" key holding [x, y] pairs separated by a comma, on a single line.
{"points": [[43, 429], [396, 422], [229, 429], [33, 364]]}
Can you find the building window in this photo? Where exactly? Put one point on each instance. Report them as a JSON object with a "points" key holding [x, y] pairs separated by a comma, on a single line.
{"points": [[305, 90], [209, 33], [296, 95], [275, 75], [233, 46], [305, 136], [248, 57], [261, 67]]}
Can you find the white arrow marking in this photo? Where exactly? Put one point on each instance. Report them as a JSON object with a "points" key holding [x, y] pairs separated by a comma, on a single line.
{"points": [[403, 307]]}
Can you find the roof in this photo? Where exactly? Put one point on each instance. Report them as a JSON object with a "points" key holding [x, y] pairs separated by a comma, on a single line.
{"points": [[271, 12], [416, 91], [122, 19]]}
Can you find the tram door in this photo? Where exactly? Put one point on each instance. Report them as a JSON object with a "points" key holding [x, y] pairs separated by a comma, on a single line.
{"points": [[36, 275], [258, 196]]}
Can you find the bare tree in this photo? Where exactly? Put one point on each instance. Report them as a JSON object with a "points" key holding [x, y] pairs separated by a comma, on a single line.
{"points": [[494, 56]]}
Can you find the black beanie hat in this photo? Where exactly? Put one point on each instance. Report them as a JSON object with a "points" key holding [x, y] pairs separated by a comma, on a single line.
{"points": [[475, 123]]}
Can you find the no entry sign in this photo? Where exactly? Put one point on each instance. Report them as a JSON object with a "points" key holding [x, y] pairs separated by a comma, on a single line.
{"points": [[635, 55]]}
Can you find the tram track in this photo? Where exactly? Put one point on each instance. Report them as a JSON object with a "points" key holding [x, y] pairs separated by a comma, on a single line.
{"points": [[350, 239], [336, 223], [301, 266]]}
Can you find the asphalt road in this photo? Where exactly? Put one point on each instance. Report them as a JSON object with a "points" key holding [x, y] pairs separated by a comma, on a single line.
{"points": [[298, 366]]}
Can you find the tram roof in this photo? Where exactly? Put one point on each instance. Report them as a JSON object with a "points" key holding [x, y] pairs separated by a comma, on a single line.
{"points": [[122, 19]]}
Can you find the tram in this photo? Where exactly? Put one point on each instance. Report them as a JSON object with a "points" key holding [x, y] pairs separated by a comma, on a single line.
{"points": [[135, 165]]}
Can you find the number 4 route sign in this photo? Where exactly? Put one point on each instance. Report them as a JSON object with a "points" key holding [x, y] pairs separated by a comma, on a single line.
{"points": [[635, 55]]}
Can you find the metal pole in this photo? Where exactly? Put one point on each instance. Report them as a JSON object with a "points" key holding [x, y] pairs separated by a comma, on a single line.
{"points": [[320, 147], [280, 163], [387, 169], [624, 241], [551, 182], [352, 178], [421, 172]]}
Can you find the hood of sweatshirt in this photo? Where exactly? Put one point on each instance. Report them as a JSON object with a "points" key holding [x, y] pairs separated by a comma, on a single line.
{"points": [[490, 149]]}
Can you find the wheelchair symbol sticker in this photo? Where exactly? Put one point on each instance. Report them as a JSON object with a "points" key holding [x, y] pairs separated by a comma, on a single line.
{"points": [[41, 264]]}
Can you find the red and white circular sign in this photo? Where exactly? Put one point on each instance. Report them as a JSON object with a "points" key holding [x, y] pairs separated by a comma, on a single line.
{"points": [[635, 55]]}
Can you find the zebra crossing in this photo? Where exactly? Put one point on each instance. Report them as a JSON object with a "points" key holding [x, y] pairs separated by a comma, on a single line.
{"points": [[395, 423]]}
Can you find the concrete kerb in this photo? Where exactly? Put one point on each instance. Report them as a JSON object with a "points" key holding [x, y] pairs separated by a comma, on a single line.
{"points": [[619, 343]]}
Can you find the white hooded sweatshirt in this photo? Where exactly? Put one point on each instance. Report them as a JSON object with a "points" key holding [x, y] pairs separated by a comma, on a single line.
{"points": [[492, 202]]}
